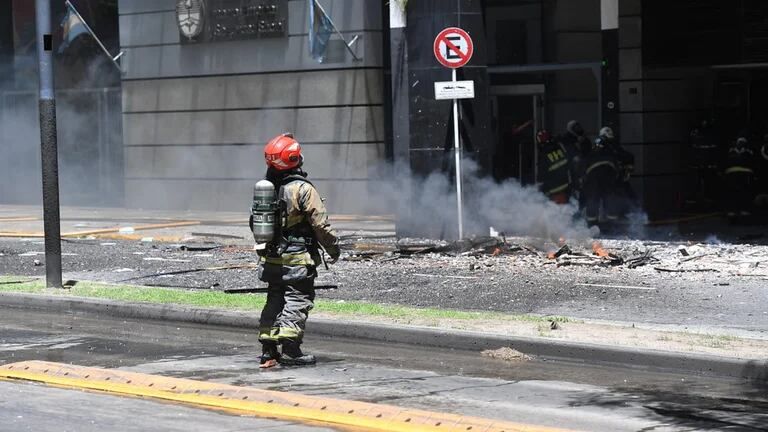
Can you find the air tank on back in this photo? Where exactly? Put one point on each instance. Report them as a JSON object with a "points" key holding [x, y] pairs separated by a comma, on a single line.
{"points": [[264, 212]]}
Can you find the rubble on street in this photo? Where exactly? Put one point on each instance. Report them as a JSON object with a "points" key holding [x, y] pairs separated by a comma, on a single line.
{"points": [[641, 256]]}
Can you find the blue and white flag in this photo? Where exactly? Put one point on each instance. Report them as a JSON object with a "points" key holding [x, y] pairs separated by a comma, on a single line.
{"points": [[73, 27], [320, 29]]}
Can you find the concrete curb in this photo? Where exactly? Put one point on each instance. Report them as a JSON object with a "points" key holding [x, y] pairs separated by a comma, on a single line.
{"points": [[450, 339]]}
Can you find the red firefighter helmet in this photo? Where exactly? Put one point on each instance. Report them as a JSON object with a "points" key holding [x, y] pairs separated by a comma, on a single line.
{"points": [[283, 152], [543, 137]]}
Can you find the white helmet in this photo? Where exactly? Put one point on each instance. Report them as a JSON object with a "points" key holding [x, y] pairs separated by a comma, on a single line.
{"points": [[606, 132]]}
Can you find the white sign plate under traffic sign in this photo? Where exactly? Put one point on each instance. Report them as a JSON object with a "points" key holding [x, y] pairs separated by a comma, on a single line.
{"points": [[454, 90]]}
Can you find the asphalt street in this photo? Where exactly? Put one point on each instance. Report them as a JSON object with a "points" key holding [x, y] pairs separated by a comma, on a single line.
{"points": [[574, 396]]}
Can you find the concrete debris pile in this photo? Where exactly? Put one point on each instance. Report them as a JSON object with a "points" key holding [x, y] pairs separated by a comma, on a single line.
{"points": [[659, 257]]}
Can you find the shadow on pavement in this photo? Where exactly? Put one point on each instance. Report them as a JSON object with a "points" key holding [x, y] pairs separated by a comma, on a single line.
{"points": [[745, 410]]}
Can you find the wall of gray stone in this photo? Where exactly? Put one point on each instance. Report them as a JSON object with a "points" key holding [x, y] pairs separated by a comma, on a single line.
{"points": [[572, 35], [196, 116], [659, 105]]}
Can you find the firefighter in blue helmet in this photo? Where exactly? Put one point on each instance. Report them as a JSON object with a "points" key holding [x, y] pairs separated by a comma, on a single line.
{"points": [[291, 259]]}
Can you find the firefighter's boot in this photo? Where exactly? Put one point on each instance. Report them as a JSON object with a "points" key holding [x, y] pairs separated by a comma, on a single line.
{"points": [[292, 355], [269, 355]]}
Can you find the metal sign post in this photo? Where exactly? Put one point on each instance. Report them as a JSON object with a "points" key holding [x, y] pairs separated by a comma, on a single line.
{"points": [[453, 48], [457, 155], [48, 146]]}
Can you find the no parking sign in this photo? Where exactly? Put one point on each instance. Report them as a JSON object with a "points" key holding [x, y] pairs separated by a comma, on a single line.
{"points": [[453, 47]]}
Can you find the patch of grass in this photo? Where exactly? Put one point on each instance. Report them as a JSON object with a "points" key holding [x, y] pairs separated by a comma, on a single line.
{"points": [[715, 341], [254, 302]]}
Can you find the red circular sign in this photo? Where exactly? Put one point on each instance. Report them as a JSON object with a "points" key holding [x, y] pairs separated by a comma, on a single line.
{"points": [[453, 47]]}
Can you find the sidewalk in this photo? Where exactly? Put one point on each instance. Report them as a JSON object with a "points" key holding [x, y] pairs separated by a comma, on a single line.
{"points": [[173, 226], [619, 346]]}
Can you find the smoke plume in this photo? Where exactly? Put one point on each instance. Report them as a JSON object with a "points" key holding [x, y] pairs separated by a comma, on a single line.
{"points": [[427, 206]]}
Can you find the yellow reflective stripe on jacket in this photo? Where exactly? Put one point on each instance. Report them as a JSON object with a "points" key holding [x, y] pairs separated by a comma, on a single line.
{"points": [[738, 169], [599, 164], [558, 165], [291, 259], [559, 188]]}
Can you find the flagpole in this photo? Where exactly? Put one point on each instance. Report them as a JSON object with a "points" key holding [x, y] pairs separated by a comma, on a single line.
{"points": [[349, 48], [98, 41]]}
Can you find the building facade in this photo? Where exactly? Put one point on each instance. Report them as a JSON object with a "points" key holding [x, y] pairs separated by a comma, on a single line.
{"points": [[196, 110], [197, 115]]}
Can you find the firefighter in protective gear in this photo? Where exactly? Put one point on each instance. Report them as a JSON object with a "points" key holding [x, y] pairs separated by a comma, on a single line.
{"points": [[290, 266], [762, 195], [577, 145], [625, 163], [740, 177], [554, 168], [575, 140], [601, 175]]}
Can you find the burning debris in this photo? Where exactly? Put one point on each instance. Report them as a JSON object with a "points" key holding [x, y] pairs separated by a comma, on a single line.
{"points": [[630, 254]]}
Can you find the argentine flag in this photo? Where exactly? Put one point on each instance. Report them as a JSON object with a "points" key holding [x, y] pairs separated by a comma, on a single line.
{"points": [[320, 29], [73, 27]]}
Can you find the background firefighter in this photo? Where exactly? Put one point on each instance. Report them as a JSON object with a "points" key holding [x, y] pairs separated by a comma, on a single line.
{"points": [[625, 162], [578, 147], [555, 162], [290, 261], [600, 183], [740, 178]]}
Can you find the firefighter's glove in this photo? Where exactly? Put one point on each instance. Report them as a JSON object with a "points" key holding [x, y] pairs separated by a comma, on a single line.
{"points": [[334, 252]]}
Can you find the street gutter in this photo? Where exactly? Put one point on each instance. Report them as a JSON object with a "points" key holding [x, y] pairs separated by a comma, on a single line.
{"points": [[544, 349]]}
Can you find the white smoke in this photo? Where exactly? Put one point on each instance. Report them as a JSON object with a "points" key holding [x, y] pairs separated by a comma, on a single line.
{"points": [[427, 206]]}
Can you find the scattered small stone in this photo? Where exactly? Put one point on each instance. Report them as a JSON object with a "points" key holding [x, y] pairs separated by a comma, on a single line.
{"points": [[507, 354], [37, 263], [553, 325]]}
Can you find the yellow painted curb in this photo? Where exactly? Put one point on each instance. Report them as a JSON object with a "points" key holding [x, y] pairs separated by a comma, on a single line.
{"points": [[262, 403]]}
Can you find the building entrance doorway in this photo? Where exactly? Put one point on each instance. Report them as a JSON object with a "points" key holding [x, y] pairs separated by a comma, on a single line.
{"points": [[517, 116]]}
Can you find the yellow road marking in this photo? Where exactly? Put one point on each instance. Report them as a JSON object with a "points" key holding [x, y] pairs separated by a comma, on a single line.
{"points": [[19, 219], [262, 403], [101, 231], [22, 234]]}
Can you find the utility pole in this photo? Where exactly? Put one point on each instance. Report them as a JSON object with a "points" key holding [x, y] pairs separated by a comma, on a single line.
{"points": [[48, 145]]}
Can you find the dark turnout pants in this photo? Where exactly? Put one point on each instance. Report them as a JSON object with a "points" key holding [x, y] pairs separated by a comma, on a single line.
{"points": [[740, 192], [290, 297], [600, 188]]}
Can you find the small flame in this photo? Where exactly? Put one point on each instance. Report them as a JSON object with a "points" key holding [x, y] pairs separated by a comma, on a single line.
{"points": [[597, 248], [496, 252], [551, 255]]}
